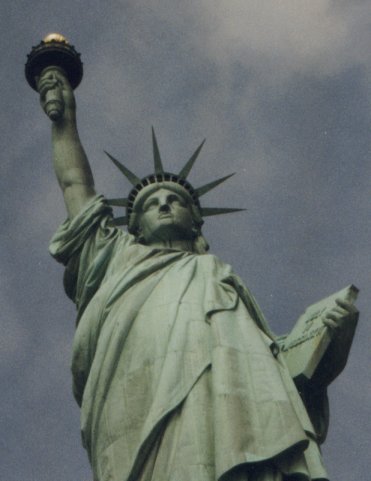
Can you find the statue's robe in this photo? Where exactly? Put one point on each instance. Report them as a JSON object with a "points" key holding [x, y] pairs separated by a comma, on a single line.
{"points": [[176, 372]]}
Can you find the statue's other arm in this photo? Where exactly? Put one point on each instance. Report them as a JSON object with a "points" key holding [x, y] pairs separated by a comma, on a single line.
{"points": [[70, 162]]}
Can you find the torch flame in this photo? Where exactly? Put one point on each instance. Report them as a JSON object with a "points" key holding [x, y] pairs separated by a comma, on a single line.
{"points": [[55, 37]]}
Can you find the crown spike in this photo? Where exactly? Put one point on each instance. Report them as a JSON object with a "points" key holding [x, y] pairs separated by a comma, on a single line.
{"points": [[132, 178], [156, 155], [208, 211], [183, 174], [207, 187]]}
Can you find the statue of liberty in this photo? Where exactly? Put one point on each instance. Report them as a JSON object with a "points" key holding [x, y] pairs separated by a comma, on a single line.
{"points": [[177, 373]]}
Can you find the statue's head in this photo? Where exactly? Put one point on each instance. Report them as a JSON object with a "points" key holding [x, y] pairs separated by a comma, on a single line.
{"points": [[164, 206], [164, 212]]}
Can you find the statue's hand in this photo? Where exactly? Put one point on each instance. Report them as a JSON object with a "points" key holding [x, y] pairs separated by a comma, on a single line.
{"points": [[341, 316], [56, 95]]}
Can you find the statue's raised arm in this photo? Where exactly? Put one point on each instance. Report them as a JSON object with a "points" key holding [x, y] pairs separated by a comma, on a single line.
{"points": [[70, 162]]}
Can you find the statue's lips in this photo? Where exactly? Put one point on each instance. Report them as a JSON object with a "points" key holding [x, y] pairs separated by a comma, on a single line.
{"points": [[165, 216]]}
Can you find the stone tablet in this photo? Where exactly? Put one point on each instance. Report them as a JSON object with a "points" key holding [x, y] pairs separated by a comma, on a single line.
{"points": [[307, 348]]}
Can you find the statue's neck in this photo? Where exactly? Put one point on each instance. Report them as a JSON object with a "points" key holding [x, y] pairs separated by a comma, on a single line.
{"points": [[180, 245]]}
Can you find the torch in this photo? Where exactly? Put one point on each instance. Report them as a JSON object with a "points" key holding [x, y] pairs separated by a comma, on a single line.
{"points": [[54, 53]]}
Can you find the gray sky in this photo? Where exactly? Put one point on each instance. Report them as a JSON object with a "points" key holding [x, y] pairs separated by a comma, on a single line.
{"points": [[281, 91]]}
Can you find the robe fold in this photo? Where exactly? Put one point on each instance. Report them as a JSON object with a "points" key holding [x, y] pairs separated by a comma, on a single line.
{"points": [[175, 369]]}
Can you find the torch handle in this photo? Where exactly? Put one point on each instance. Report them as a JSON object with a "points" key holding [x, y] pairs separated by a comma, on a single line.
{"points": [[54, 102]]}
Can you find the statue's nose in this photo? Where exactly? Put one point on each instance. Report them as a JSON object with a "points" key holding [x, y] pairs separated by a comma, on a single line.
{"points": [[164, 207]]}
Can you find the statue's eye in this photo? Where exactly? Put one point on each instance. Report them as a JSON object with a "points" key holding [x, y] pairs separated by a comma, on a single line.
{"points": [[150, 204], [173, 198]]}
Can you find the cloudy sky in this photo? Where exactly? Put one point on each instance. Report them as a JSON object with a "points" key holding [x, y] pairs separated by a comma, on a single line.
{"points": [[281, 91]]}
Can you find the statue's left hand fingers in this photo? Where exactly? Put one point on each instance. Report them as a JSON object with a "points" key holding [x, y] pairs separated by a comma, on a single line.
{"points": [[336, 316], [330, 323], [348, 306], [340, 315], [339, 311]]}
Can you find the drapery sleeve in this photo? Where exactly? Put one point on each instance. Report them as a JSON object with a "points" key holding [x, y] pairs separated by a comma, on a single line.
{"points": [[85, 245]]}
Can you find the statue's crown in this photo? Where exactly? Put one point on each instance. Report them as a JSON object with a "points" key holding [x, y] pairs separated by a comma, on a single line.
{"points": [[161, 176]]}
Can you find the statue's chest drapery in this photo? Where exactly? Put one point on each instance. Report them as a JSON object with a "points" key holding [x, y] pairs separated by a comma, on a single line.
{"points": [[146, 307], [145, 338]]}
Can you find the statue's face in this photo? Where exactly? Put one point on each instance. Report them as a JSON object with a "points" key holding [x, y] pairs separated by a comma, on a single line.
{"points": [[165, 215]]}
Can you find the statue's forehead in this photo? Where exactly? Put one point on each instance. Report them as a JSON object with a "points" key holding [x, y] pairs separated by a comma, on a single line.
{"points": [[149, 190]]}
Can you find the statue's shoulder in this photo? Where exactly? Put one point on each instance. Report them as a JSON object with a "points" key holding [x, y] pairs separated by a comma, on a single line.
{"points": [[217, 265]]}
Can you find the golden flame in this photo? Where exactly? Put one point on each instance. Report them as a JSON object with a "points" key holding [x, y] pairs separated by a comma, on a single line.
{"points": [[55, 37]]}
